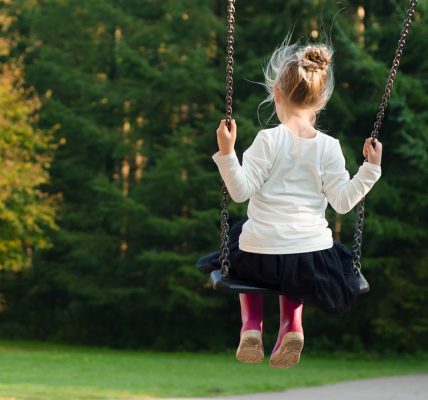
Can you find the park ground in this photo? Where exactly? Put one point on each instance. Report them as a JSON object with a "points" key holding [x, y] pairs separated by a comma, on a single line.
{"points": [[39, 371]]}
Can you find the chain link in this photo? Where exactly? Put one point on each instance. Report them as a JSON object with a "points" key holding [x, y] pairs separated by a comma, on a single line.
{"points": [[358, 235], [230, 41]]}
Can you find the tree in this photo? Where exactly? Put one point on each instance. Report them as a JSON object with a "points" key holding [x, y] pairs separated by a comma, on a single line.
{"points": [[26, 211], [123, 82]]}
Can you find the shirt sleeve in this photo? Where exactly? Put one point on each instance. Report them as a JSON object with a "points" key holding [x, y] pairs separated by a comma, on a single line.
{"points": [[243, 181], [342, 192]]}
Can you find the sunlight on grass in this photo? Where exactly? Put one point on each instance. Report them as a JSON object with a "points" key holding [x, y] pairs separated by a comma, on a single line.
{"points": [[49, 371]]}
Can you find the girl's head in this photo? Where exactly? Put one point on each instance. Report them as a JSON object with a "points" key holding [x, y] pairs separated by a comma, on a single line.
{"points": [[299, 77]]}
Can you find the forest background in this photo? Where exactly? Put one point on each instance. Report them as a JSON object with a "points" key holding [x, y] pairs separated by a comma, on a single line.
{"points": [[108, 194]]}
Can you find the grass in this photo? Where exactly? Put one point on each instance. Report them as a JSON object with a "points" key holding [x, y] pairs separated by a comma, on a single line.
{"points": [[57, 372]]}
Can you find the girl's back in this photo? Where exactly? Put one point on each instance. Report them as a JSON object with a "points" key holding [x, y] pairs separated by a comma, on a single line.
{"points": [[287, 212], [289, 180]]}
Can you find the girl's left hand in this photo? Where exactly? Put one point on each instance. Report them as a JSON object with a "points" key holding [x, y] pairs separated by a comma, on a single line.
{"points": [[226, 139]]}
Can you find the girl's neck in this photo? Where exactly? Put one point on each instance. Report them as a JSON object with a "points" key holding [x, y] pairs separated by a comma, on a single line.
{"points": [[300, 123]]}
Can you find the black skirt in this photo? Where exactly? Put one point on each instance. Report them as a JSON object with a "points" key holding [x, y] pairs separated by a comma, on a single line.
{"points": [[324, 278]]}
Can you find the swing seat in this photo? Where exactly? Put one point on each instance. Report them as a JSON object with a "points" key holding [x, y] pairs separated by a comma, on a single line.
{"points": [[232, 285]]}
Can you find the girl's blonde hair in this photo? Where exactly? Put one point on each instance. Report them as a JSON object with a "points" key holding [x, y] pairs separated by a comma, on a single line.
{"points": [[302, 74]]}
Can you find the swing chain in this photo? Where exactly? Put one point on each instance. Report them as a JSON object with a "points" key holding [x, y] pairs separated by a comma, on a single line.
{"points": [[230, 41], [395, 64], [224, 247], [358, 238], [358, 235]]}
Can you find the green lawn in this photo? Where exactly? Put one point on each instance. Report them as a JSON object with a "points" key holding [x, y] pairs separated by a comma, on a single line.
{"points": [[48, 371]]}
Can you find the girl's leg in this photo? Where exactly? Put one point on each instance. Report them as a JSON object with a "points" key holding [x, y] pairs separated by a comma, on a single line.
{"points": [[289, 344], [250, 348]]}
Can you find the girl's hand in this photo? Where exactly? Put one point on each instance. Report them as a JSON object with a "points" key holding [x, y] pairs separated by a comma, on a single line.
{"points": [[226, 139], [373, 152]]}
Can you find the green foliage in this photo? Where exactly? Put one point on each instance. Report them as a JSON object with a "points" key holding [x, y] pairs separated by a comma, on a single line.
{"points": [[26, 212]]}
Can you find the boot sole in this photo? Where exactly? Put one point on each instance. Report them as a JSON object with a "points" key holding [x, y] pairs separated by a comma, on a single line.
{"points": [[250, 349], [288, 353]]}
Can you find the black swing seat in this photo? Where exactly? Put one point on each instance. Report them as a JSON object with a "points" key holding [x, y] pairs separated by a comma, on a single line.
{"points": [[232, 285]]}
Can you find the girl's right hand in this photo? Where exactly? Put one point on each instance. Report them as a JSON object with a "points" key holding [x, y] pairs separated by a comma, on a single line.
{"points": [[225, 138], [373, 151]]}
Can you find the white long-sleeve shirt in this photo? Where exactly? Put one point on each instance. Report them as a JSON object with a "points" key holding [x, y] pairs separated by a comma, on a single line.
{"points": [[289, 181]]}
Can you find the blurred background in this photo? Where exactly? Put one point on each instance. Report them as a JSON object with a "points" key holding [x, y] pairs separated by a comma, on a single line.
{"points": [[108, 194]]}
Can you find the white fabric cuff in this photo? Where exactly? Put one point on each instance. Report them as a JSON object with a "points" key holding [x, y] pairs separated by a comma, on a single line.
{"points": [[226, 160], [372, 167]]}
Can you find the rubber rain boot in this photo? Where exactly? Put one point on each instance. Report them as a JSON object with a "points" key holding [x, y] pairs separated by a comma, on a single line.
{"points": [[250, 349], [286, 352]]}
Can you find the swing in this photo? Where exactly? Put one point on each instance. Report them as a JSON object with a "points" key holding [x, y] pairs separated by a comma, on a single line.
{"points": [[220, 278]]}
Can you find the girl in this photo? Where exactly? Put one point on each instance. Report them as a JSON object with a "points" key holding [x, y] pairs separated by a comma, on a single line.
{"points": [[289, 174]]}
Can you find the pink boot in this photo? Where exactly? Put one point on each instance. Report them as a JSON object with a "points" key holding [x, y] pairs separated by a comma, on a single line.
{"points": [[250, 349], [289, 344]]}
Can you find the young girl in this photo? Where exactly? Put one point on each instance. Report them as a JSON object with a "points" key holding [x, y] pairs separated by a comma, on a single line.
{"points": [[289, 174]]}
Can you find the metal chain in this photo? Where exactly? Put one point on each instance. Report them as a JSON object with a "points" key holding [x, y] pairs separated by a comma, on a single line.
{"points": [[358, 235], [224, 248]]}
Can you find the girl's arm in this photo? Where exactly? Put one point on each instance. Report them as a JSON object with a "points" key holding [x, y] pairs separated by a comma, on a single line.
{"points": [[243, 181], [342, 192]]}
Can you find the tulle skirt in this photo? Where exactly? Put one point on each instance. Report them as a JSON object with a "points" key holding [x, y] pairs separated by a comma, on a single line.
{"points": [[324, 278]]}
